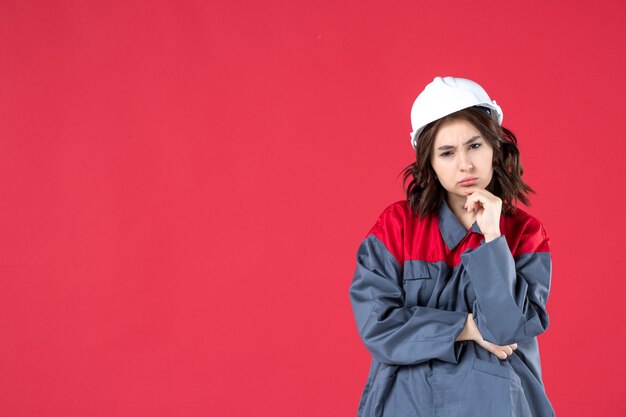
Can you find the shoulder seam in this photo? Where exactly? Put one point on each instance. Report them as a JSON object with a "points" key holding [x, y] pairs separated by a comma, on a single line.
{"points": [[385, 250]]}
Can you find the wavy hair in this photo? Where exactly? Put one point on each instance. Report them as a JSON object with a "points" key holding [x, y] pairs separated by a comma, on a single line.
{"points": [[424, 191]]}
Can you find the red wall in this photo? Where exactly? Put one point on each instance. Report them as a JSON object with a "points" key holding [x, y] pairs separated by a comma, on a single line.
{"points": [[184, 185]]}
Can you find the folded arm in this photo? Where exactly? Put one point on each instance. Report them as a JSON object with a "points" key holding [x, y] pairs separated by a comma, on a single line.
{"points": [[393, 333], [511, 293]]}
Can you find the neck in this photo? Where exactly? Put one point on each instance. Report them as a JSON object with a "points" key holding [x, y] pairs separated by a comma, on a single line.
{"points": [[456, 203]]}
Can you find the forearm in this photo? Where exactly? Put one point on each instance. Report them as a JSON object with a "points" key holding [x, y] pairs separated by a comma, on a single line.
{"points": [[393, 332], [511, 294]]}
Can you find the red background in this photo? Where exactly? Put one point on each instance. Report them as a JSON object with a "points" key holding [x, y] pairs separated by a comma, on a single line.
{"points": [[184, 185]]}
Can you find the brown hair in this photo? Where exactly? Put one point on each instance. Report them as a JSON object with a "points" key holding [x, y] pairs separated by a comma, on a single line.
{"points": [[424, 192]]}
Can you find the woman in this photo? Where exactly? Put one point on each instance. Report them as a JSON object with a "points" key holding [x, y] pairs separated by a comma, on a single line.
{"points": [[451, 284]]}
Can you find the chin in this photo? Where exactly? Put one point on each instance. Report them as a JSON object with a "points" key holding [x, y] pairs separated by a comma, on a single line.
{"points": [[477, 185]]}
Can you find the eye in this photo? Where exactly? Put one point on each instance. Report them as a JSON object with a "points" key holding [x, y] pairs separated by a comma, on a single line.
{"points": [[445, 154], [477, 145]]}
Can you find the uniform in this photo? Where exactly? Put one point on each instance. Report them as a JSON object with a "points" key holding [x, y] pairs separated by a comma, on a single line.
{"points": [[414, 284]]}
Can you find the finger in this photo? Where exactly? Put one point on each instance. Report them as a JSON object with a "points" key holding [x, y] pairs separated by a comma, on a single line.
{"points": [[474, 206], [478, 190], [513, 346], [476, 198], [470, 202], [507, 350]]}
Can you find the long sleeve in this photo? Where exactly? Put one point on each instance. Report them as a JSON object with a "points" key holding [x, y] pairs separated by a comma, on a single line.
{"points": [[511, 292], [392, 333]]}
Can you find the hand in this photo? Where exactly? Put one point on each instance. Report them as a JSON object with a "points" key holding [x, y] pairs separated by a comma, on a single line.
{"points": [[502, 352], [488, 209], [471, 332]]}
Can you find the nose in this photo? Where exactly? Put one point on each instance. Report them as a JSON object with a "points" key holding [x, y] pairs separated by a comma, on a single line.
{"points": [[464, 162]]}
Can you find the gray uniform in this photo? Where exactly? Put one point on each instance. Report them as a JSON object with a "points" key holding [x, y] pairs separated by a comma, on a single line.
{"points": [[414, 284]]}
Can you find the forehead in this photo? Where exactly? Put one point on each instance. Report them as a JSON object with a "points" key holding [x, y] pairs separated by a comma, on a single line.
{"points": [[455, 130]]}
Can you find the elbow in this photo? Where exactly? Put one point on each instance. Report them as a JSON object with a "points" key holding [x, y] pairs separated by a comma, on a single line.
{"points": [[382, 352], [536, 325], [383, 356], [378, 345], [385, 344]]}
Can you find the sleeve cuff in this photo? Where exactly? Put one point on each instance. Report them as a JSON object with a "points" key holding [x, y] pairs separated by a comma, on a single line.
{"points": [[453, 354], [490, 251]]}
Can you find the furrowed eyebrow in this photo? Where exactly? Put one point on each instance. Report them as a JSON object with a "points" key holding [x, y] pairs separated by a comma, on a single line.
{"points": [[470, 140]]}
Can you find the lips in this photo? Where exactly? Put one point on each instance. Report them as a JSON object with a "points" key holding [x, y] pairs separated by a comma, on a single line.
{"points": [[468, 181]]}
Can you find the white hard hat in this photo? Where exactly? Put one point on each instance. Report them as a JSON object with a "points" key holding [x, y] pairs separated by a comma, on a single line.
{"points": [[446, 95]]}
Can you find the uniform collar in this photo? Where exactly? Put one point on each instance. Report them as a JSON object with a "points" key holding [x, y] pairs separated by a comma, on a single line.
{"points": [[451, 228]]}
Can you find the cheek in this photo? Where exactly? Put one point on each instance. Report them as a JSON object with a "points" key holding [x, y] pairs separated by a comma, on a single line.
{"points": [[441, 171], [488, 158]]}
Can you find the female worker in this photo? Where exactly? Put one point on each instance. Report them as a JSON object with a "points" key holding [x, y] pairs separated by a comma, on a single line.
{"points": [[451, 284]]}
